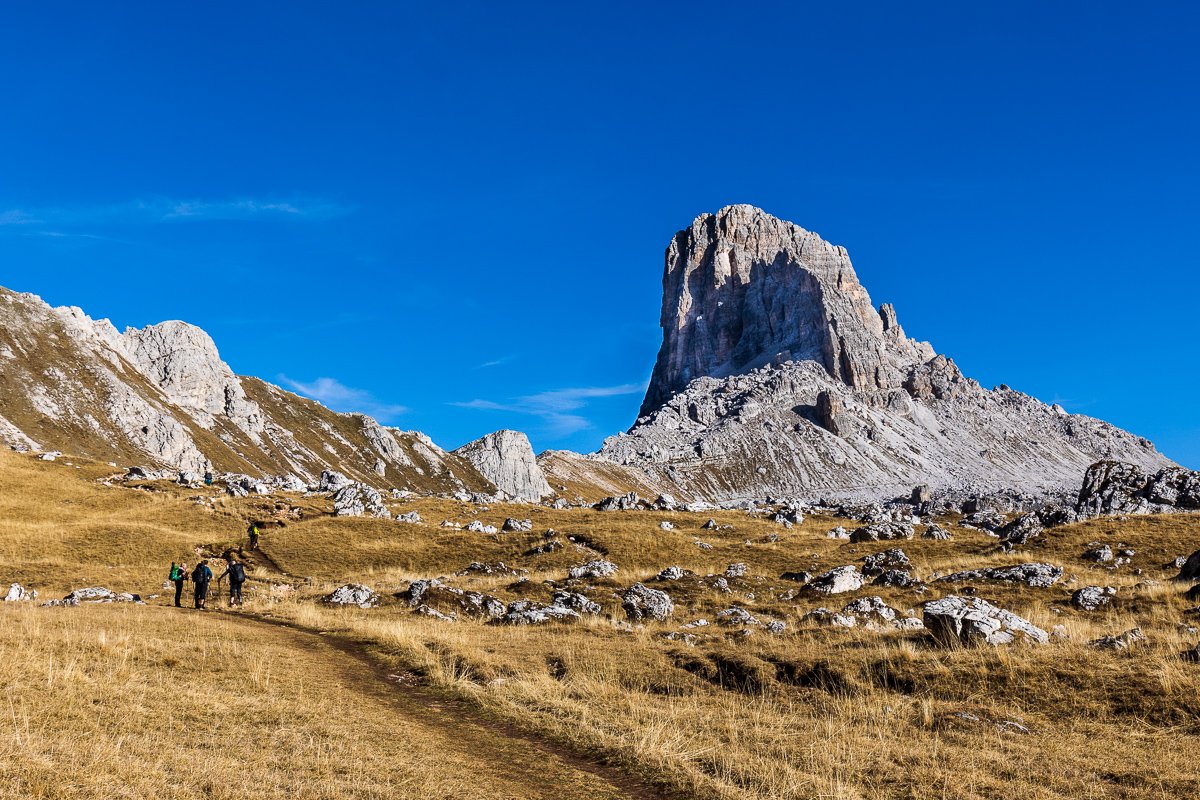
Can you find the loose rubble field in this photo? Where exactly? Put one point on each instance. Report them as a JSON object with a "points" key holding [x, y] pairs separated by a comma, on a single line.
{"points": [[730, 654]]}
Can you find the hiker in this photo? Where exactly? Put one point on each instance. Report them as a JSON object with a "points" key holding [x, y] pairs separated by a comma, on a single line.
{"points": [[236, 573], [208, 479], [201, 575], [253, 533], [177, 576]]}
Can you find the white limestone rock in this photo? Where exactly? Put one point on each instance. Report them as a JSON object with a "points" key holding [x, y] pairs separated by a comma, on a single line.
{"points": [[506, 459]]}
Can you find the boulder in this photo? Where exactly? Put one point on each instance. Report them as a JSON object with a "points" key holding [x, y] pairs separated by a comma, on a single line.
{"points": [[957, 621], [1098, 553], [935, 533], [1034, 575], [598, 568], [670, 574], [1090, 598], [357, 500], [527, 612], [797, 577], [352, 594], [1122, 641], [517, 525], [1020, 530], [1190, 569], [475, 526], [411, 517], [885, 560], [332, 481], [986, 520], [737, 570], [837, 581], [626, 502], [643, 603], [882, 531], [735, 616], [576, 602], [18, 593]]}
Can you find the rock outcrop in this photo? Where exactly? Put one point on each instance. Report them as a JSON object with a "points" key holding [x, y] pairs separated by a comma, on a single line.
{"points": [[506, 459], [1112, 487], [778, 377]]}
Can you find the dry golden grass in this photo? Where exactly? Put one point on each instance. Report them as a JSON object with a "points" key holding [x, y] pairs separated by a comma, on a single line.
{"points": [[813, 713]]}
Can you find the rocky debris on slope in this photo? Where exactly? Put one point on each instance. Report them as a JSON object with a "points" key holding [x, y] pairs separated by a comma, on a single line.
{"points": [[1033, 575], [1114, 487], [598, 568], [356, 500], [95, 594], [1098, 553], [837, 581], [496, 568], [475, 526], [955, 621], [625, 502], [670, 574], [643, 603], [1189, 570], [433, 613], [244, 486], [882, 532], [796, 577], [885, 560], [419, 589], [736, 570], [331, 481], [528, 612], [1121, 641], [898, 578], [838, 533], [986, 520], [576, 602], [18, 593], [411, 517], [352, 594], [1090, 598], [936, 533], [506, 459], [1020, 530], [517, 525], [483, 606]]}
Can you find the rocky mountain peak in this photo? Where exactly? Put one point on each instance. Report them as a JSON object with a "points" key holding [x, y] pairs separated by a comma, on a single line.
{"points": [[506, 459], [742, 289]]}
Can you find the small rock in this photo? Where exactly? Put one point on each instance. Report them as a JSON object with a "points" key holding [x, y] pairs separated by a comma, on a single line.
{"points": [[837, 580], [957, 621], [594, 569], [735, 570], [518, 525], [1122, 641]]}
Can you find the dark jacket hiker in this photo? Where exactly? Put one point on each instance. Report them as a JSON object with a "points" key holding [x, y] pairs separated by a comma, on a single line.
{"points": [[201, 576], [236, 571]]}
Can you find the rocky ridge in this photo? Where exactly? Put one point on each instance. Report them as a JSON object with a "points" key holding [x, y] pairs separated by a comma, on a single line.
{"points": [[162, 395]]}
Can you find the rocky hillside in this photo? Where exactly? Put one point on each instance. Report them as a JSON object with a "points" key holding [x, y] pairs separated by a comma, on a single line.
{"points": [[778, 377], [162, 395]]}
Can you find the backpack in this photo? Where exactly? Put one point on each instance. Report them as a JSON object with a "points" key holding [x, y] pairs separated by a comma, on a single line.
{"points": [[237, 573], [176, 574]]}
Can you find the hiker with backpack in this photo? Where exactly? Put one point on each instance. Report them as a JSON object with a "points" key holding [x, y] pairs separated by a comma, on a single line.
{"points": [[178, 576], [252, 532], [201, 575], [236, 572]]}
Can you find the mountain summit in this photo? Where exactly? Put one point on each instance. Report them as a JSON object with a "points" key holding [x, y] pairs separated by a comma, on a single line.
{"points": [[743, 289], [778, 377]]}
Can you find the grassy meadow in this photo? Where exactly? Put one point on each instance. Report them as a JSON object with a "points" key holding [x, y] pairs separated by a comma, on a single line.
{"points": [[129, 701]]}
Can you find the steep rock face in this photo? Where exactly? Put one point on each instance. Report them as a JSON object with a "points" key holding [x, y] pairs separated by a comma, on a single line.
{"points": [[162, 394], [777, 377], [506, 459], [742, 289]]}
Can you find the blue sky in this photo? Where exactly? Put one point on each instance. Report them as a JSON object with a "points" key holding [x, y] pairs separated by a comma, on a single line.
{"points": [[453, 215]]}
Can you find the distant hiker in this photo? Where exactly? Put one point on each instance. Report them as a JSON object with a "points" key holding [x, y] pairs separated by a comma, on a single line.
{"points": [[201, 575], [208, 479], [237, 576], [252, 531], [177, 576]]}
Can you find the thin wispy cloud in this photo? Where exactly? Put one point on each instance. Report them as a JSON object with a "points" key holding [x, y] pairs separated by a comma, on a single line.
{"points": [[164, 210], [495, 362], [339, 397], [554, 408]]}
